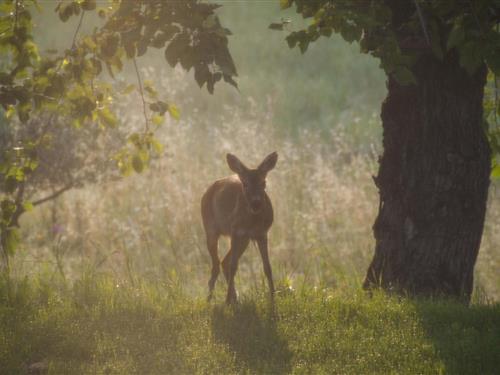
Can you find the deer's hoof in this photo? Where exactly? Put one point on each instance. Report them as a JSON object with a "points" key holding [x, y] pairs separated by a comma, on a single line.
{"points": [[231, 299]]}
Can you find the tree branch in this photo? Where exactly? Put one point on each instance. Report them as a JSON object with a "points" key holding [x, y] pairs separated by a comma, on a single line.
{"points": [[422, 22], [73, 43], [139, 81], [52, 196]]}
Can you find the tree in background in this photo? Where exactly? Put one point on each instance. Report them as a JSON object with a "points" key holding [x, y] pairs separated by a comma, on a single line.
{"points": [[434, 172], [43, 94]]}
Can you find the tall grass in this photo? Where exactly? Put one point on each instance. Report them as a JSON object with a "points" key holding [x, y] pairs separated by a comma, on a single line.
{"points": [[151, 222], [148, 226]]}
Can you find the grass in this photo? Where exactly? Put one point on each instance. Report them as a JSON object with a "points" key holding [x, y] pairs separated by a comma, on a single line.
{"points": [[98, 326], [111, 278]]}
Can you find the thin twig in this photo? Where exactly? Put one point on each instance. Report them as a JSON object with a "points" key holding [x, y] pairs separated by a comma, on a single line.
{"points": [[77, 30], [422, 22], [139, 81], [16, 17], [5, 30]]}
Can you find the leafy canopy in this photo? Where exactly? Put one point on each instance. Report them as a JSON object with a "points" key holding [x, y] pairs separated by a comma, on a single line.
{"points": [[399, 31]]}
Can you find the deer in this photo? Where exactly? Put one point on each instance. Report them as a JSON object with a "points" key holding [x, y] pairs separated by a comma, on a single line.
{"points": [[239, 207]]}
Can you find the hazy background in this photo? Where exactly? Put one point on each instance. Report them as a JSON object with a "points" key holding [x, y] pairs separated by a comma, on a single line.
{"points": [[319, 111]]}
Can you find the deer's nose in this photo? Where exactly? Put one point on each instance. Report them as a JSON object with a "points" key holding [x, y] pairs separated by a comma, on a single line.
{"points": [[255, 203]]}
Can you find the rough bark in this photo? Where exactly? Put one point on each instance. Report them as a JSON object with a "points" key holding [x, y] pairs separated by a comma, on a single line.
{"points": [[433, 182]]}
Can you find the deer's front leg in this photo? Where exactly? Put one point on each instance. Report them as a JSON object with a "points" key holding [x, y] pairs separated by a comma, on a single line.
{"points": [[238, 246], [262, 243]]}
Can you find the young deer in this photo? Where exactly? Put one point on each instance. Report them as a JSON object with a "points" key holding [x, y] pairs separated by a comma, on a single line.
{"points": [[238, 206]]}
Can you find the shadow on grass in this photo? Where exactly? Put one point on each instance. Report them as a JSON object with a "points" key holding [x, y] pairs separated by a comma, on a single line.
{"points": [[252, 337], [466, 339]]}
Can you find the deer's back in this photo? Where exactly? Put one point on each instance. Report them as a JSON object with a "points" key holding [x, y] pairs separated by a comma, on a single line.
{"points": [[225, 210]]}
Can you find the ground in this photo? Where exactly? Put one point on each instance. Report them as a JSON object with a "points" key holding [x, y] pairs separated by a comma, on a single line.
{"points": [[98, 326]]}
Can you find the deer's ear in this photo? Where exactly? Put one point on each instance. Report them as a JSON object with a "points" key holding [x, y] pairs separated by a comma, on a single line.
{"points": [[235, 164], [268, 163]]}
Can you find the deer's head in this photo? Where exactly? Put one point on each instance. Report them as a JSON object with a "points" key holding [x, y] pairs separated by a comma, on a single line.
{"points": [[253, 180]]}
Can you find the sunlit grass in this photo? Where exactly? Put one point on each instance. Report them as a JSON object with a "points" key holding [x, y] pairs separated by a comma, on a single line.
{"points": [[149, 225], [113, 278], [98, 326]]}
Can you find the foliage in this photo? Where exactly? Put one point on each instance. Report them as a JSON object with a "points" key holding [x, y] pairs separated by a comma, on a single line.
{"points": [[102, 326], [66, 156], [71, 87], [399, 32]]}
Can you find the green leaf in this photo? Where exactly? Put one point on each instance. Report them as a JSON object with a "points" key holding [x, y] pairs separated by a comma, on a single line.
{"points": [[177, 48], [137, 163], [135, 139], [28, 206], [159, 106], [292, 39], [157, 146], [107, 118], [404, 76], [150, 90], [130, 49], [351, 33], [65, 11], [326, 31], [110, 45], [174, 111], [495, 171], [303, 44], [201, 74], [157, 120], [284, 4], [127, 90], [492, 52], [470, 57], [88, 4]]}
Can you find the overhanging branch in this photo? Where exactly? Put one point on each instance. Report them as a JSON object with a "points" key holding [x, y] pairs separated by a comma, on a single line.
{"points": [[52, 196]]}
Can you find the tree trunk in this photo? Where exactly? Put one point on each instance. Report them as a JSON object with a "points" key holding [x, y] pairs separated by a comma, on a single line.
{"points": [[433, 182]]}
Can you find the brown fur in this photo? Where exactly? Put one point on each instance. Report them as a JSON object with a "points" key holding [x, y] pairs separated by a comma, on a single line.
{"points": [[238, 206]]}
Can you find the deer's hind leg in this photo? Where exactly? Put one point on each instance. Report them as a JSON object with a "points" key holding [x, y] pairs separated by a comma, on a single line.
{"points": [[212, 245]]}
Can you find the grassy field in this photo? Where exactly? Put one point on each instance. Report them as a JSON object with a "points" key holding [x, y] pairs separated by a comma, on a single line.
{"points": [[100, 327], [149, 225], [112, 278]]}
